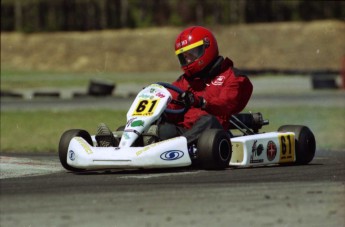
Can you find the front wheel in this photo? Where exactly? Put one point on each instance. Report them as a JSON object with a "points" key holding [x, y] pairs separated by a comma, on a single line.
{"points": [[214, 150], [64, 144], [305, 144]]}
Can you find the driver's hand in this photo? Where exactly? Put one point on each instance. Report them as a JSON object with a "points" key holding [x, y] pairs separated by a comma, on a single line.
{"points": [[189, 99]]}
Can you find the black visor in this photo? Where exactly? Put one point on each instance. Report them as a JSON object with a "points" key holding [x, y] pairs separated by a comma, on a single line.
{"points": [[191, 55]]}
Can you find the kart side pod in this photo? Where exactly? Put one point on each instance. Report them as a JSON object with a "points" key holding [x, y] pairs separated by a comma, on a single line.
{"points": [[291, 144], [263, 149]]}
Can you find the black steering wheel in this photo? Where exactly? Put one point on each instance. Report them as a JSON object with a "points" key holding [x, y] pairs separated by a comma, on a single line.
{"points": [[179, 91]]}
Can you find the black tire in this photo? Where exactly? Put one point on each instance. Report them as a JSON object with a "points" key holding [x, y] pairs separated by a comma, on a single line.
{"points": [[214, 150], [64, 143], [305, 144]]}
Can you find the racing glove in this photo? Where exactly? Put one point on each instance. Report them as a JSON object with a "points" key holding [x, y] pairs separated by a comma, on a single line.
{"points": [[189, 99]]}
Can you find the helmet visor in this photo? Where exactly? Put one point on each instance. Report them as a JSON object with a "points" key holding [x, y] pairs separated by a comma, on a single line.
{"points": [[189, 54]]}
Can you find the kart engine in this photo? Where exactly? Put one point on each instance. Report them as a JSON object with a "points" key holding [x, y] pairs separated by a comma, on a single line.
{"points": [[248, 123]]}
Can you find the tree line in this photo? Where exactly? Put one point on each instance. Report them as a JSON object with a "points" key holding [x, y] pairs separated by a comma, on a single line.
{"points": [[84, 15]]}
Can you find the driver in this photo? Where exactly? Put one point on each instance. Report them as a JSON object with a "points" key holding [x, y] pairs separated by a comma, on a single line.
{"points": [[214, 90]]}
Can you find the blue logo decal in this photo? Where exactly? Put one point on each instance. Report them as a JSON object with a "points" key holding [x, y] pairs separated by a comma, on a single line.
{"points": [[172, 155], [71, 155]]}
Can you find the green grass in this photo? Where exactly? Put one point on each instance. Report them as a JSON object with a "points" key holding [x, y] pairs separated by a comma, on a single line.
{"points": [[40, 131], [15, 79]]}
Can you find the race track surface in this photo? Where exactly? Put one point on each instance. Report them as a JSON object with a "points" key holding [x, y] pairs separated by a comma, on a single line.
{"points": [[309, 195]]}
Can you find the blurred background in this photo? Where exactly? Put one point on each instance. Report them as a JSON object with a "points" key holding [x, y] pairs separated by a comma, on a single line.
{"points": [[135, 35], [85, 15], [52, 47]]}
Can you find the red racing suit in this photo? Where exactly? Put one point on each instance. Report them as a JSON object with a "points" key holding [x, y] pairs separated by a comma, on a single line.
{"points": [[225, 93]]}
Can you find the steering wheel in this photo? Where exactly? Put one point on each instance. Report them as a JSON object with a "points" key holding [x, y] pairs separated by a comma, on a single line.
{"points": [[179, 91]]}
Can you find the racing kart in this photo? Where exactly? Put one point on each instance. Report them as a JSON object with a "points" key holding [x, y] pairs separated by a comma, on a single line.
{"points": [[242, 146]]}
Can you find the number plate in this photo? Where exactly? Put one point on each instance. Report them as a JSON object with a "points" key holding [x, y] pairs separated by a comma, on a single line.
{"points": [[145, 107], [287, 147]]}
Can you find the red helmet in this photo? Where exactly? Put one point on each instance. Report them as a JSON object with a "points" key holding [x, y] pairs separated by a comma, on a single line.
{"points": [[196, 48]]}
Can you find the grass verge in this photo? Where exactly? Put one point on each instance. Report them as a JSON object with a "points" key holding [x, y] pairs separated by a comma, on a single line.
{"points": [[40, 131], [16, 79]]}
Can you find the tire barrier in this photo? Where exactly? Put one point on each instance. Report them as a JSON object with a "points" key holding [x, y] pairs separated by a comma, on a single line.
{"points": [[320, 79], [11, 94], [100, 88], [96, 88], [324, 83], [51, 94]]}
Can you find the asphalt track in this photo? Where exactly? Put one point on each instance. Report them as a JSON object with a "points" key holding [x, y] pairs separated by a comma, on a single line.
{"points": [[308, 195]]}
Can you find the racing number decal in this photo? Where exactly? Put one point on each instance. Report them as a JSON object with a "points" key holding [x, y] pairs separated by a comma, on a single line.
{"points": [[145, 107], [287, 147]]}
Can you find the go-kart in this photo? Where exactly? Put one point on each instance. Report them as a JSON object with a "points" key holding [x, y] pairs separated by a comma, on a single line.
{"points": [[215, 149]]}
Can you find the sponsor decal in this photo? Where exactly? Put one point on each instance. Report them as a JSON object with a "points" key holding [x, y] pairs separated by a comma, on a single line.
{"points": [[219, 80], [137, 123], [256, 152], [71, 155], [84, 144], [130, 121], [126, 136], [260, 149], [271, 150], [172, 155], [160, 95], [156, 85], [143, 114], [182, 43], [146, 96], [145, 149]]}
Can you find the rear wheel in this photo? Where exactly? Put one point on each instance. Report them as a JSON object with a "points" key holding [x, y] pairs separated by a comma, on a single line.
{"points": [[305, 144], [214, 150], [64, 143]]}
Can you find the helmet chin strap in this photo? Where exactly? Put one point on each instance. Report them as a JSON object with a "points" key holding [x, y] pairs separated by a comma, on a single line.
{"points": [[209, 71]]}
